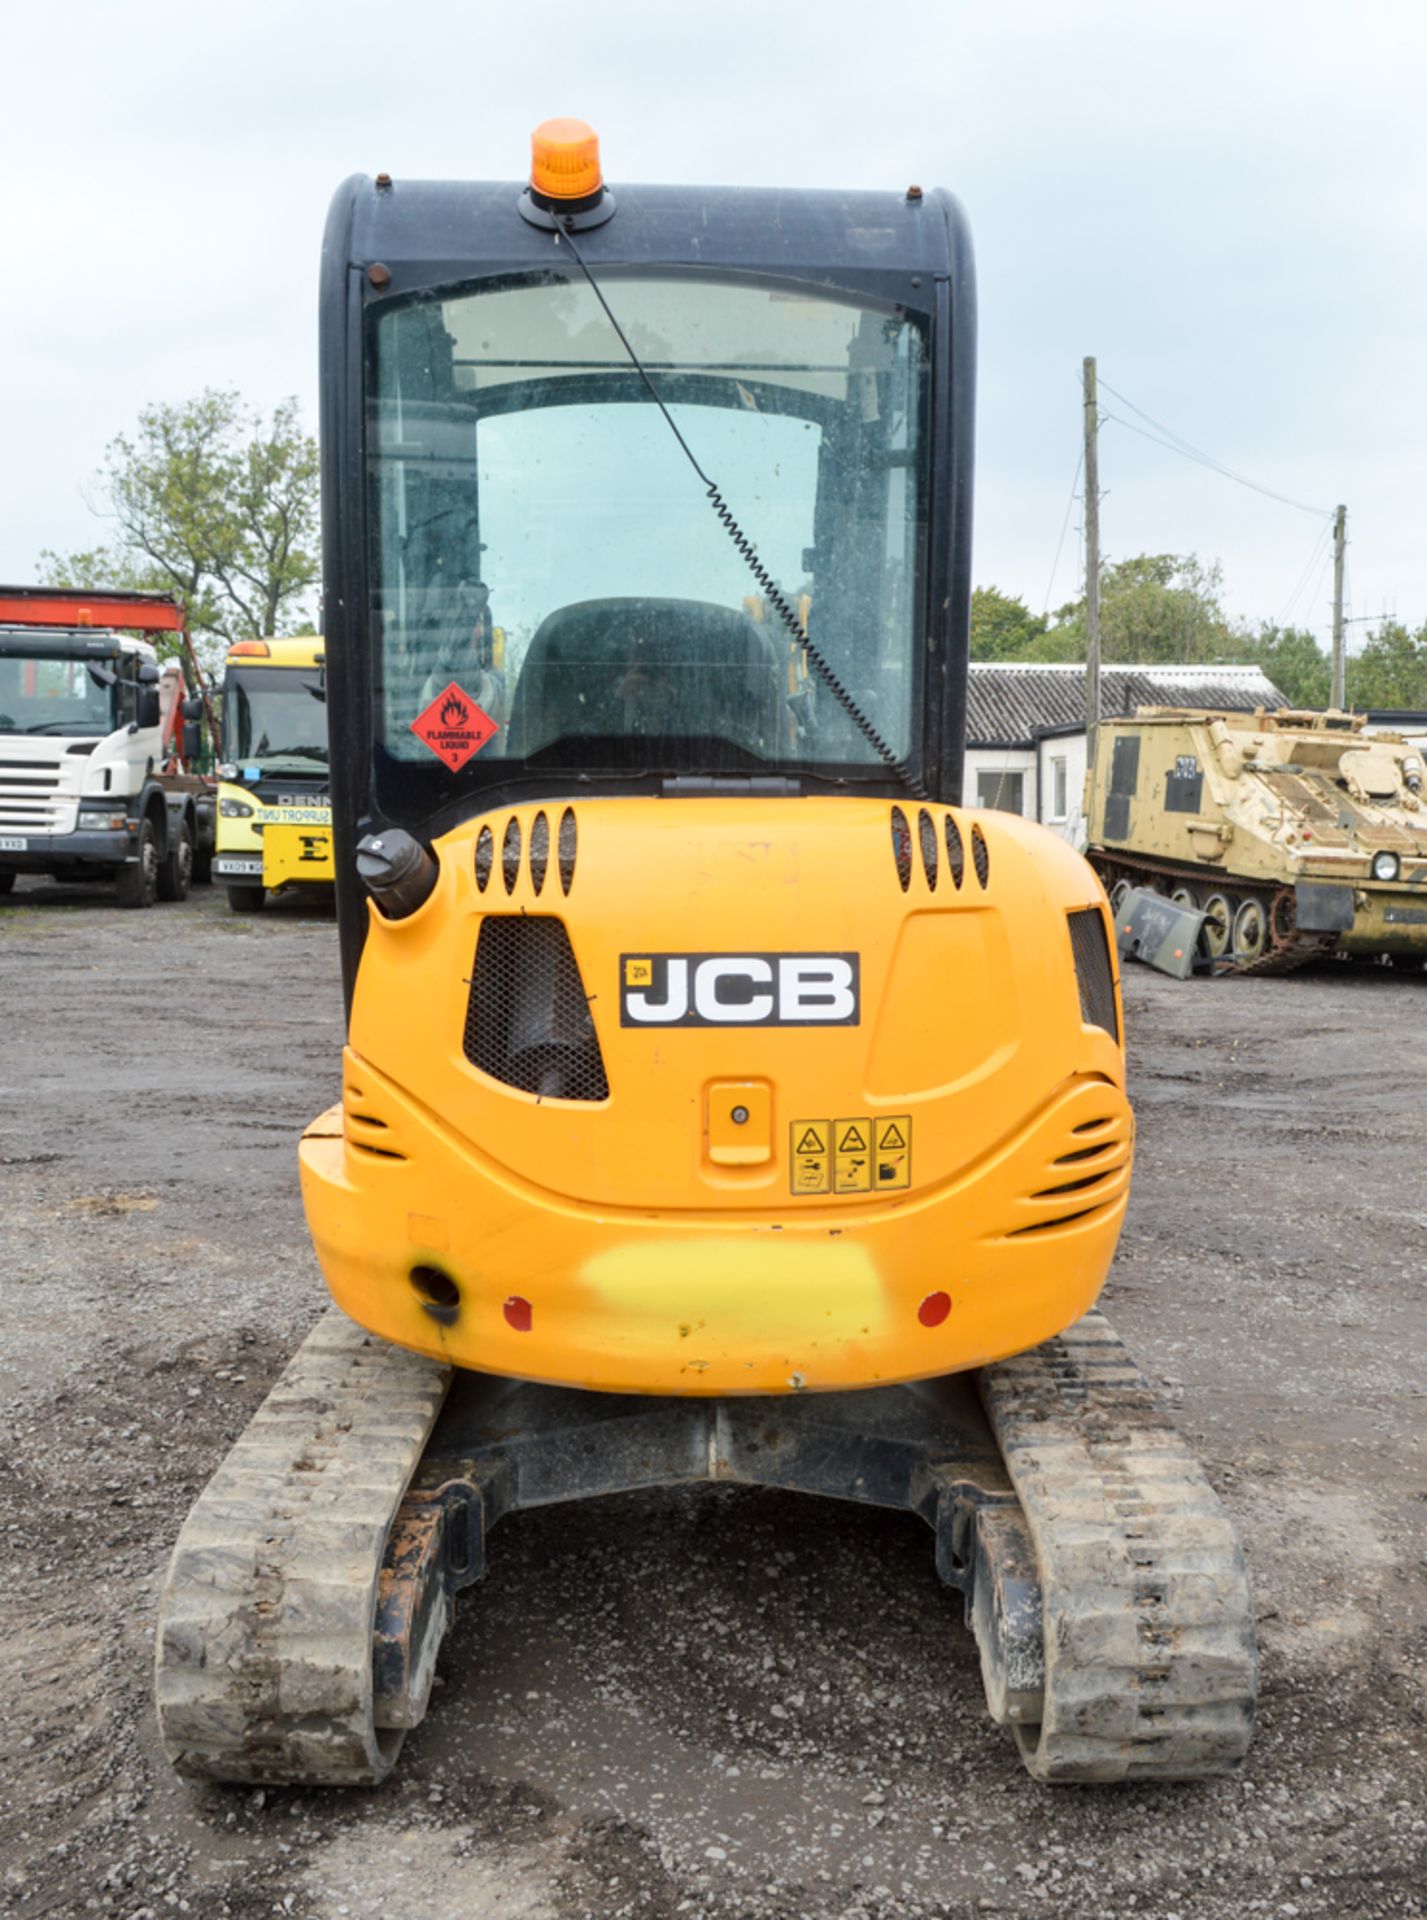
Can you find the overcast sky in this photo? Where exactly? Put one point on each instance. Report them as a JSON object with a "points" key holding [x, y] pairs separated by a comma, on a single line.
{"points": [[1223, 202]]}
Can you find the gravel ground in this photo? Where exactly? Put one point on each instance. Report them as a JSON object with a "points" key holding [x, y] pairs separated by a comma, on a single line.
{"points": [[716, 1703]]}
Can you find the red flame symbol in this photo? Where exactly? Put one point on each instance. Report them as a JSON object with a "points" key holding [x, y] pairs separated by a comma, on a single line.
{"points": [[454, 713]]}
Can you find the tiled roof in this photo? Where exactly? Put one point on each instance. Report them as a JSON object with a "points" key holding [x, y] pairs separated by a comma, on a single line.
{"points": [[1007, 704]]}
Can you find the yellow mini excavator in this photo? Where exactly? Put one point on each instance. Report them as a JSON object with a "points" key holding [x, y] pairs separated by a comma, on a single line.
{"points": [[722, 1100]]}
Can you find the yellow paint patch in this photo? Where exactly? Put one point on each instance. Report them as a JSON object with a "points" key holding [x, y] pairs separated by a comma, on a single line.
{"points": [[725, 1286]]}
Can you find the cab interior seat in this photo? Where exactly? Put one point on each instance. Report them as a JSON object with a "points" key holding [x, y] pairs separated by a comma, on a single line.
{"points": [[653, 667]]}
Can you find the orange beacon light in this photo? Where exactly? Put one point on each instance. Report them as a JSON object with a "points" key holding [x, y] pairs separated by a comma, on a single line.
{"points": [[566, 186]]}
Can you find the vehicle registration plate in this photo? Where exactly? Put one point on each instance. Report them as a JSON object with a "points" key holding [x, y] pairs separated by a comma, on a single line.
{"points": [[11, 845]]}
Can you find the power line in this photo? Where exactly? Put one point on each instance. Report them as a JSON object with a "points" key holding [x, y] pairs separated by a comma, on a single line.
{"points": [[1203, 460], [1320, 543], [1064, 527], [1173, 442]]}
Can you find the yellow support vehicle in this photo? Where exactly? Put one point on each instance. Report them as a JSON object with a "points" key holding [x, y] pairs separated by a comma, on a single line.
{"points": [[274, 807], [721, 1100]]}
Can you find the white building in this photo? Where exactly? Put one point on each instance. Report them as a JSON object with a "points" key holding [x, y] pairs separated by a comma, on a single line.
{"points": [[1410, 722], [1025, 727]]}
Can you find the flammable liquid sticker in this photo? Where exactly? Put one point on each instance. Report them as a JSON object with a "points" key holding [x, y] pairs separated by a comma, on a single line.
{"points": [[454, 727]]}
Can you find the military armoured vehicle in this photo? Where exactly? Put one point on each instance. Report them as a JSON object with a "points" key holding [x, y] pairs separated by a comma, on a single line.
{"points": [[1296, 834]]}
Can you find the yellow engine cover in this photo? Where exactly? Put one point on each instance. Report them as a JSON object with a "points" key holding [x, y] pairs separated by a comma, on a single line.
{"points": [[729, 1096]]}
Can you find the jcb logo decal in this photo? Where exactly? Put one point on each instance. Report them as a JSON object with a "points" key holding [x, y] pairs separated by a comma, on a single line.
{"points": [[738, 990]]}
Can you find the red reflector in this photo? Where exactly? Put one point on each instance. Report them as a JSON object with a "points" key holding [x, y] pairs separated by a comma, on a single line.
{"points": [[518, 1313], [934, 1309]]}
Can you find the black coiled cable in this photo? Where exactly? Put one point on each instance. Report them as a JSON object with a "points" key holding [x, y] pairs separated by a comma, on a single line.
{"points": [[774, 593]]}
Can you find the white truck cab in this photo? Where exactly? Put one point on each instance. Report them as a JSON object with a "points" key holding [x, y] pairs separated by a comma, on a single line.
{"points": [[89, 740]]}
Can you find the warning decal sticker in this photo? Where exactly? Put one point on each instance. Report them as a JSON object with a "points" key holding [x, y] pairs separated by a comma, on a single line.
{"points": [[454, 727], [856, 1155], [852, 1157], [808, 1156], [892, 1154]]}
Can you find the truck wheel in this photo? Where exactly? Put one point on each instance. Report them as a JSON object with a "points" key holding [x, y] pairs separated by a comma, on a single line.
{"points": [[138, 885], [176, 867], [247, 899], [203, 868], [7, 882]]}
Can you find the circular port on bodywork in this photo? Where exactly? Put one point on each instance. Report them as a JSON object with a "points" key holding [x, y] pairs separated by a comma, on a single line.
{"points": [[438, 1292]]}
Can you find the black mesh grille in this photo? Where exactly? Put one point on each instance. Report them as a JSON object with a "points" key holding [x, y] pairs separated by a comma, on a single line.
{"points": [[510, 854], [980, 855], [926, 834], [566, 845], [485, 857], [955, 852], [539, 850], [1092, 970], [902, 847], [528, 1020]]}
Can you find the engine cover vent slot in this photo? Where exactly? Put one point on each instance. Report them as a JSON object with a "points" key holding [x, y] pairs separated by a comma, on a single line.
{"points": [[485, 857], [1093, 972], [926, 835], [980, 855], [528, 1020], [539, 850], [955, 853], [565, 846], [510, 854], [902, 847]]}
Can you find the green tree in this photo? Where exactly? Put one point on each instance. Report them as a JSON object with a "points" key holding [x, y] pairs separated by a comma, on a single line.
{"points": [[1003, 627], [215, 504], [1391, 669], [1293, 660], [1154, 607]]}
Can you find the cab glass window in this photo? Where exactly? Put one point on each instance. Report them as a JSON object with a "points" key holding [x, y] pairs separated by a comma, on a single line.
{"points": [[541, 544], [59, 697]]}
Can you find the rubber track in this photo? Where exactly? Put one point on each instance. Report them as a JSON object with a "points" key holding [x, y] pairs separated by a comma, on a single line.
{"points": [[264, 1650], [1150, 1657]]}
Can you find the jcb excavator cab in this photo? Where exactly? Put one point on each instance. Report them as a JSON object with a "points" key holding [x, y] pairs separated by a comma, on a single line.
{"points": [[701, 1046], [700, 1033]]}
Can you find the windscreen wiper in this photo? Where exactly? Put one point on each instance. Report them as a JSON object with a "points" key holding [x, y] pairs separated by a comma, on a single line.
{"points": [[777, 599]]}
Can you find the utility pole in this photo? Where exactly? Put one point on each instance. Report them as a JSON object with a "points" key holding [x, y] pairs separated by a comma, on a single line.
{"points": [[1340, 664], [1092, 583]]}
